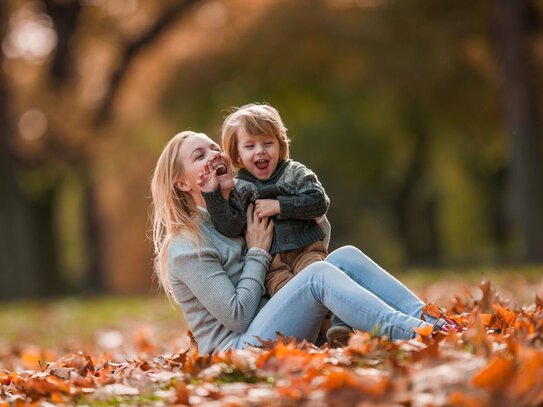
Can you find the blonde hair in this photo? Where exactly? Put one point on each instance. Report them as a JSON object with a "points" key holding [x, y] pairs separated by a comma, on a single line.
{"points": [[257, 120], [173, 211]]}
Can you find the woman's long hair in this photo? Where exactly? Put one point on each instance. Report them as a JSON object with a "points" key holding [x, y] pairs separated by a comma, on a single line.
{"points": [[173, 211]]}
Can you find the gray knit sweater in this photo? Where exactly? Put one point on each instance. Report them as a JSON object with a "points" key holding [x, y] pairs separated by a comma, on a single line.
{"points": [[218, 284], [301, 198]]}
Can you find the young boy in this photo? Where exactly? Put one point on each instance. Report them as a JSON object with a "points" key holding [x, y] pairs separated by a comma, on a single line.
{"points": [[254, 138]]}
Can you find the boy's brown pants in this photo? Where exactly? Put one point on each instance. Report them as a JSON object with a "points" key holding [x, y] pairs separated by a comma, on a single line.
{"points": [[286, 265]]}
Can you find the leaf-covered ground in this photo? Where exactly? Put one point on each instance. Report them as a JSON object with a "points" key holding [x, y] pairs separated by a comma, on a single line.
{"points": [[496, 360]]}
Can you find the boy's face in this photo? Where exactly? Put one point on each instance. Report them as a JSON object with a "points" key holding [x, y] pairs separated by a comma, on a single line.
{"points": [[259, 154]]}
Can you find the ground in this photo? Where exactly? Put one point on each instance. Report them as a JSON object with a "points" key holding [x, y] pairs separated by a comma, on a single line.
{"points": [[136, 351]]}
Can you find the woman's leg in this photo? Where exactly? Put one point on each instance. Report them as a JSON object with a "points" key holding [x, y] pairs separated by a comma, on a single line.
{"points": [[299, 308], [375, 279]]}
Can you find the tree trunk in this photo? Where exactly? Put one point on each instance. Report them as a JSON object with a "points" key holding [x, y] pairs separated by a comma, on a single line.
{"points": [[95, 253], [514, 25], [27, 241], [415, 206]]}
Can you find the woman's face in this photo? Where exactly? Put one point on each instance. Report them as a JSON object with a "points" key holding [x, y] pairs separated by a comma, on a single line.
{"points": [[195, 152]]}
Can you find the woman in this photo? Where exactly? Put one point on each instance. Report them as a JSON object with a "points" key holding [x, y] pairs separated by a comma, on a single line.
{"points": [[220, 285]]}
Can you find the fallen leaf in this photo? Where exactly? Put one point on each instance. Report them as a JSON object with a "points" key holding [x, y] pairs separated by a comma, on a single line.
{"points": [[424, 330], [530, 367], [495, 374]]}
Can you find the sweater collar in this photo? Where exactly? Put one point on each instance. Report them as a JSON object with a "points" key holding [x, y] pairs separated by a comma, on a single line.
{"points": [[247, 176]]}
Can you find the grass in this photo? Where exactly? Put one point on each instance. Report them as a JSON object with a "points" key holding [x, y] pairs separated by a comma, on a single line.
{"points": [[44, 323], [73, 319]]}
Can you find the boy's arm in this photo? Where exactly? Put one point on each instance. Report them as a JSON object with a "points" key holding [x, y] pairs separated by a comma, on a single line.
{"points": [[228, 216], [325, 226], [309, 201]]}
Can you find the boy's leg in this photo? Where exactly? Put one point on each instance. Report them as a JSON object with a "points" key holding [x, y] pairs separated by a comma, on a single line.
{"points": [[300, 307], [279, 273], [309, 255]]}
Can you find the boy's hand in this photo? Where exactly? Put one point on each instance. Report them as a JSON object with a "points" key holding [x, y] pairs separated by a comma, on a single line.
{"points": [[267, 207]]}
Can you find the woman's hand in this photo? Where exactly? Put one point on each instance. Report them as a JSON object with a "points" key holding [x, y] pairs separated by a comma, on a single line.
{"points": [[209, 180], [259, 231]]}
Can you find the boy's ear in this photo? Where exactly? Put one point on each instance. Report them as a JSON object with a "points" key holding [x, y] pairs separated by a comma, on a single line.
{"points": [[182, 185]]}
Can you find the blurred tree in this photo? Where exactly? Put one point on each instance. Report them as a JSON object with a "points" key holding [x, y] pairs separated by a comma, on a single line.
{"points": [[27, 251], [388, 103], [73, 131], [392, 103], [516, 24]]}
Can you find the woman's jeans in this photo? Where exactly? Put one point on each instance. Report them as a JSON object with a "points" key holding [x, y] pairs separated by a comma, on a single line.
{"points": [[349, 284]]}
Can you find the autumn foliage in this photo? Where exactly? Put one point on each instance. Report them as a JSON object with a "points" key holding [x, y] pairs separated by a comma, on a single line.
{"points": [[496, 359]]}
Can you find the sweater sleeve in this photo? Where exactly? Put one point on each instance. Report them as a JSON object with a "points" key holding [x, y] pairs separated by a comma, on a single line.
{"points": [[233, 305], [228, 216], [309, 200]]}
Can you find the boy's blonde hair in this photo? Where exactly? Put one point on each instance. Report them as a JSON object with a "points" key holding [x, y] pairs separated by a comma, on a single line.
{"points": [[173, 211], [256, 120]]}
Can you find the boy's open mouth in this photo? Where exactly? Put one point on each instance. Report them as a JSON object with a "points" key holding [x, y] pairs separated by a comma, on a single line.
{"points": [[220, 169], [262, 164]]}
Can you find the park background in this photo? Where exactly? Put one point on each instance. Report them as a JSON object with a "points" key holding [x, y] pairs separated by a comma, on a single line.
{"points": [[421, 118]]}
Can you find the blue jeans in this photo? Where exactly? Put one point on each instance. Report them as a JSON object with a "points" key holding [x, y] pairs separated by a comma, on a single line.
{"points": [[349, 284]]}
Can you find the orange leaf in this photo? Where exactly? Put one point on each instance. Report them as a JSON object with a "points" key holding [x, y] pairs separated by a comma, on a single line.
{"points": [[359, 343], [457, 398], [338, 379], [507, 316], [530, 363], [495, 374], [57, 398], [432, 310], [182, 395], [485, 319], [431, 351], [31, 357], [424, 330], [373, 381]]}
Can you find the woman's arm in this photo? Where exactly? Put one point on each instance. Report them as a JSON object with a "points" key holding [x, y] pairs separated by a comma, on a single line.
{"points": [[202, 271], [234, 306]]}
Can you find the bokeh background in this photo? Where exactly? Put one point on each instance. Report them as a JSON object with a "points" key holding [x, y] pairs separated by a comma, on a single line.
{"points": [[422, 119]]}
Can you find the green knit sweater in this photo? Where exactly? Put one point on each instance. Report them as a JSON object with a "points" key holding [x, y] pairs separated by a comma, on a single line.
{"points": [[218, 284], [301, 197]]}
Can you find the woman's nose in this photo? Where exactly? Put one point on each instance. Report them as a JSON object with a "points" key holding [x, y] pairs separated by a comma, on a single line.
{"points": [[214, 155]]}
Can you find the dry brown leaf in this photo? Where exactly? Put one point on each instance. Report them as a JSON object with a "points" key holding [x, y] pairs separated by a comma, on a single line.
{"points": [[424, 330], [530, 367], [457, 398], [495, 374], [433, 310], [499, 357]]}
